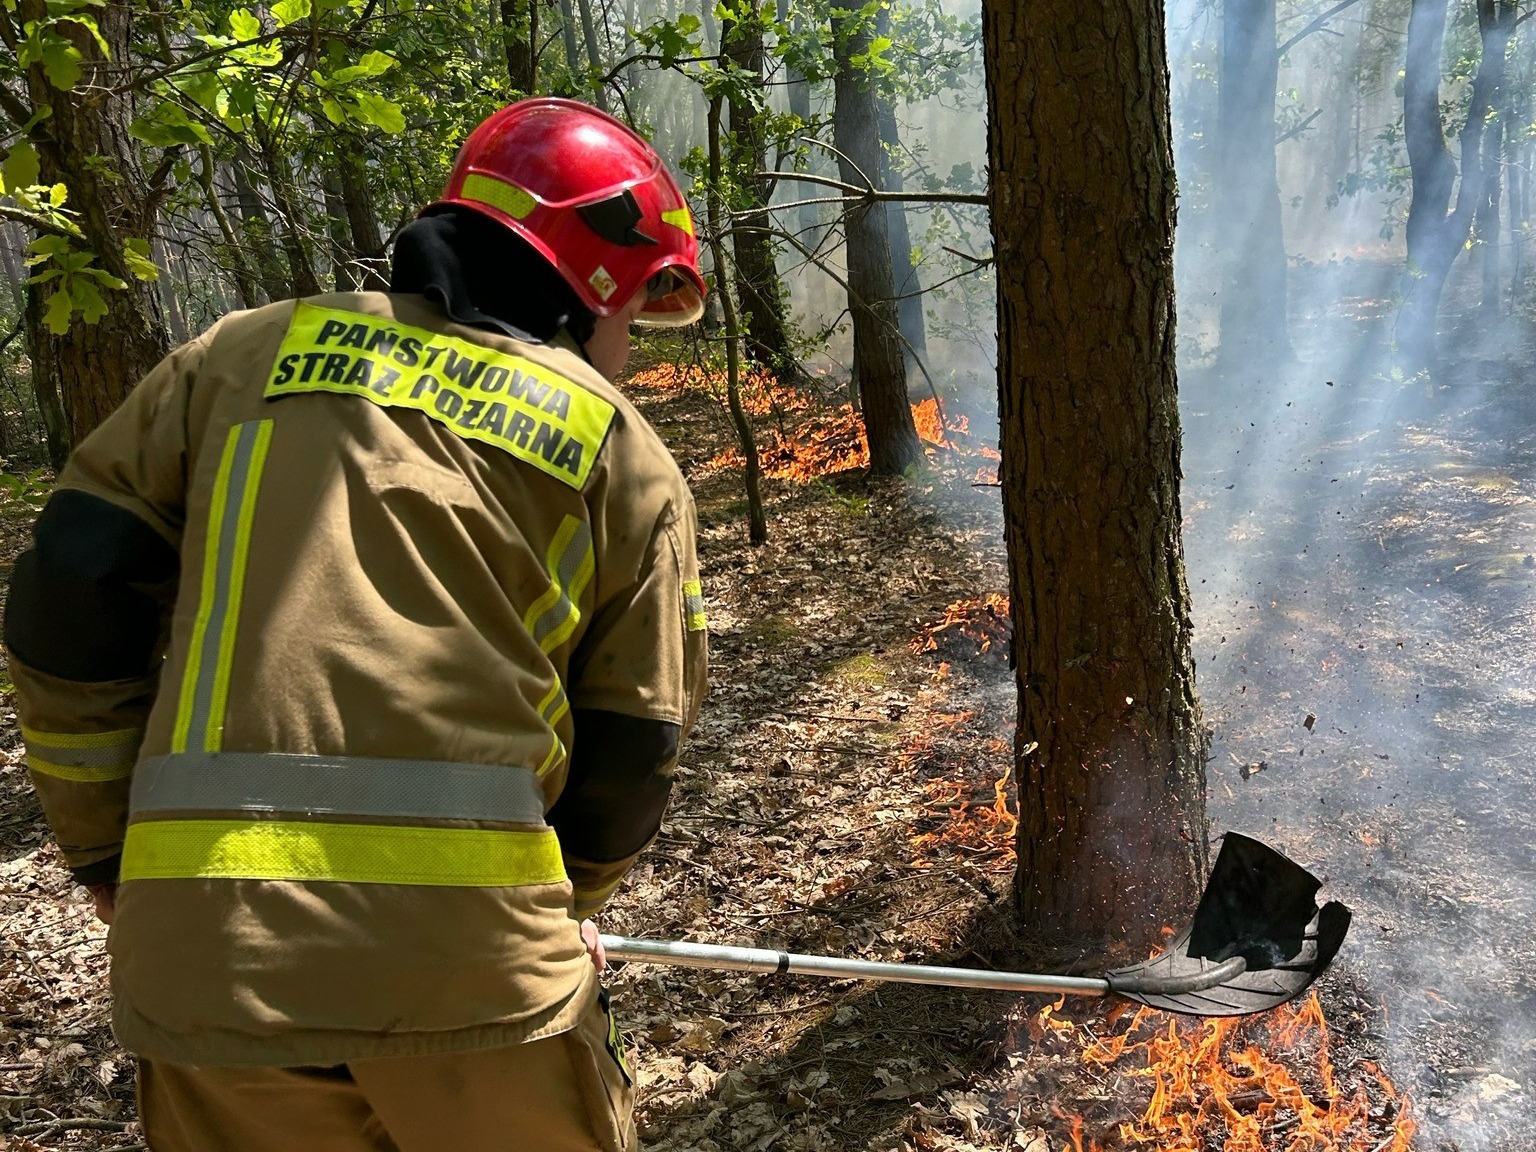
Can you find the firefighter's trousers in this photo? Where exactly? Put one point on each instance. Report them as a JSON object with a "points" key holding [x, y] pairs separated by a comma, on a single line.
{"points": [[565, 1093]]}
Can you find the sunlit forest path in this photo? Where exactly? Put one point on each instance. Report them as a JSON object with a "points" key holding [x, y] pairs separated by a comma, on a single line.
{"points": [[1360, 567]]}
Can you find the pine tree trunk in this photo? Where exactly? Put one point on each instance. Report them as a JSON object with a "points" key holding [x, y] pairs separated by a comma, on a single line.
{"points": [[879, 363], [85, 145], [1111, 747], [1253, 305]]}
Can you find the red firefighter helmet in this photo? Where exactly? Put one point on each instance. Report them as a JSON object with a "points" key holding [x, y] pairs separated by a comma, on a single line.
{"points": [[592, 197]]}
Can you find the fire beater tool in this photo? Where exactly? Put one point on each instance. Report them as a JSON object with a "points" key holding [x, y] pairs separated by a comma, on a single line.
{"points": [[1258, 940]]}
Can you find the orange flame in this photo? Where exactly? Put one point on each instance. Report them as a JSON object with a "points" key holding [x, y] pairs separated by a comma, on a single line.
{"points": [[983, 832], [823, 440], [984, 620], [1263, 1084]]}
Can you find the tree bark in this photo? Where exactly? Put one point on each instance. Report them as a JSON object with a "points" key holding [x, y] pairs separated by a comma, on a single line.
{"points": [[1436, 232], [515, 16], [879, 363], [84, 144], [1111, 746], [1253, 305], [757, 275]]}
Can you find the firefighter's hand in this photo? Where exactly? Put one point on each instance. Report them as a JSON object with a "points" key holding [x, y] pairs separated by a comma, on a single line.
{"points": [[105, 897], [594, 944]]}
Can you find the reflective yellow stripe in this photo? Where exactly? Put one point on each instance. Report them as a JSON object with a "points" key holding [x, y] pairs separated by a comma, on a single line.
{"points": [[514, 201], [679, 218], [78, 774], [553, 616], [236, 577], [552, 709], [589, 900], [226, 545], [348, 853], [125, 736], [693, 606], [616, 1044], [472, 391]]}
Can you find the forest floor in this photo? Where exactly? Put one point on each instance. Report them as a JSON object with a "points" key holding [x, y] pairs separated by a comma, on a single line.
{"points": [[1360, 566]]}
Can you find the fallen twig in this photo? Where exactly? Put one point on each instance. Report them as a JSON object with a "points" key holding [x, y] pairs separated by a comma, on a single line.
{"points": [[54, 1127]]}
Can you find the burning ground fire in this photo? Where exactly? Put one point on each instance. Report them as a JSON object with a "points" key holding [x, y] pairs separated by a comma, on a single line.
{"points": [[1238, 1084], [980, 830], [821, 439]]}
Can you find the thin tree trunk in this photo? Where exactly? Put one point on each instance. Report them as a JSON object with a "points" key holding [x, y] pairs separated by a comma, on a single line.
{"points": [[909, 288], [176, 323], [757, 273], [1495, 148], [1110, 752], [594, 53], [257, 227], [757, 522], [363, 224], [343, 273], [568, 34], [285, 197], [1254, 326], [798, 90], [515, 16], [879, 362], [1435, 232], [240, 269]]}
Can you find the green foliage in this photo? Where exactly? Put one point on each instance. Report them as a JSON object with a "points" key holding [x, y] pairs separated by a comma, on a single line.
{"points": [[672, 40], [28, 490], [79, 282], [44, 43]]}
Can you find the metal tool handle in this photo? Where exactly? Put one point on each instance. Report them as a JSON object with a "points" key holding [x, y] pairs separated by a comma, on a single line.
{"points": [[686, 954]]}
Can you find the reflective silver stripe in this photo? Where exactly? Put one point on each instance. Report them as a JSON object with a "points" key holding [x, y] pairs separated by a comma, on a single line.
{"points": [[555, 615], [340, 785], [111, 756]]}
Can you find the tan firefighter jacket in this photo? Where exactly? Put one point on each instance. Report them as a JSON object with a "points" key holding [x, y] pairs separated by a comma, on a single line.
{"points": [[362, 644]]}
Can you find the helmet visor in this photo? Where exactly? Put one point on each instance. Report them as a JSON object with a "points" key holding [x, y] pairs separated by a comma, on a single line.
{"points": [[671, 301]]}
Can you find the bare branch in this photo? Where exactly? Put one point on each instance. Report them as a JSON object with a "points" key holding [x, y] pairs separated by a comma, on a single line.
{"points": [[860, 195], [1316, 24], [1299, 129]]}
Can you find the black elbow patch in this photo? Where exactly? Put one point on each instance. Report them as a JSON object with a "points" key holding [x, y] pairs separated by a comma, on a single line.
{"points": [[82, 604], [617, 787]]}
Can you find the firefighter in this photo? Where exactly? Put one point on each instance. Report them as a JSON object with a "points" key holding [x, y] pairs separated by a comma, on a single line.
{"points": [[353, 656]]}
